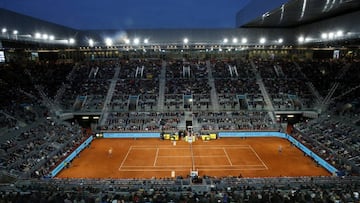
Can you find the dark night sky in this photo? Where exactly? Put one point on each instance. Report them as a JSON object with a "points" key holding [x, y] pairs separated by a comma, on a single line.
{"points": [[129, 14]]}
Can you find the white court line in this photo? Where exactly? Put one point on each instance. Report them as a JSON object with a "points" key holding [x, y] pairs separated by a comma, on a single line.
{"points": [[155, 170], [127, 154], [186, 169], [221, 146], [199, 166], [194, 146], [259, 157], [166, 166], [193, 156], [217, 167], [227, 156], [234, 169], [160, 148], [156, 156]]}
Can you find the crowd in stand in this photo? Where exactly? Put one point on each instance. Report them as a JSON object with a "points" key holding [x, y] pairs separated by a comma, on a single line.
{"points": [[138, 80], [19, 98], [286, 85], [143, 121], [335, 141], [186, 78], [322, 73], [226, 189], [234, 79], [36, 150], [347, 102], [86, 86], [245, 120]]}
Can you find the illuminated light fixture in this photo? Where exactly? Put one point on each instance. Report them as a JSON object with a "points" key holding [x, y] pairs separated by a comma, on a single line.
{"points": [[220, 49], [324, 36], [45, 36], [307, 39], [37, 35], [96, 117], [146, 41], [186, 40], [331, 35], [51, 37], [91, 42], [108, 42], [225, 40], [127, 41], [339, 33], [244, 40], [3, 30], [301, 39], [235, 40], [15, 32], [290, 116], [72, 41], [280, 40], [262, 40], [136, 41], [85, 117]]}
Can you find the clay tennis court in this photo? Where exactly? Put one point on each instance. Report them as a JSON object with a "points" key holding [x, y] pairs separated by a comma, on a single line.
{"points": [[150, 157]]}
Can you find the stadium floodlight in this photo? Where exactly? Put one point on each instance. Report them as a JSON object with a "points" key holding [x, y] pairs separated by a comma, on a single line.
{"points": [[51, 37], [37, 35], [91, 42], [146, 41], [15, 32], [244, 40], [339, 33], [331, 35], [262, 40], [45, 36], [225, 40], [301, 39], [324, 35], [186, 40], [136, 41], [127, 41], [108, 42], [235, 40], [280, 40], [72, 41], [4, 30]]}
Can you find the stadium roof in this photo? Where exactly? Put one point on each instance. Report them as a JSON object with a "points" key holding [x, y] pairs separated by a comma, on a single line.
{"points": [[314, 21], [299, 12]]}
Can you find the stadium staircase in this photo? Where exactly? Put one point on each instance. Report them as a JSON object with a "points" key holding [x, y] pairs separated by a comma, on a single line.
{"points": [[110, 93], [161, 99], [326, 101], [259, 81], [20, 122], [318, 97], [62, 89], [346, 92], [8, 135], [45, 99], [213, 94], [279, 71]]}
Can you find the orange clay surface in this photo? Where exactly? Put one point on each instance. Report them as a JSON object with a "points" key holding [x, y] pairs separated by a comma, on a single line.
{"points": [[148, 158]]}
